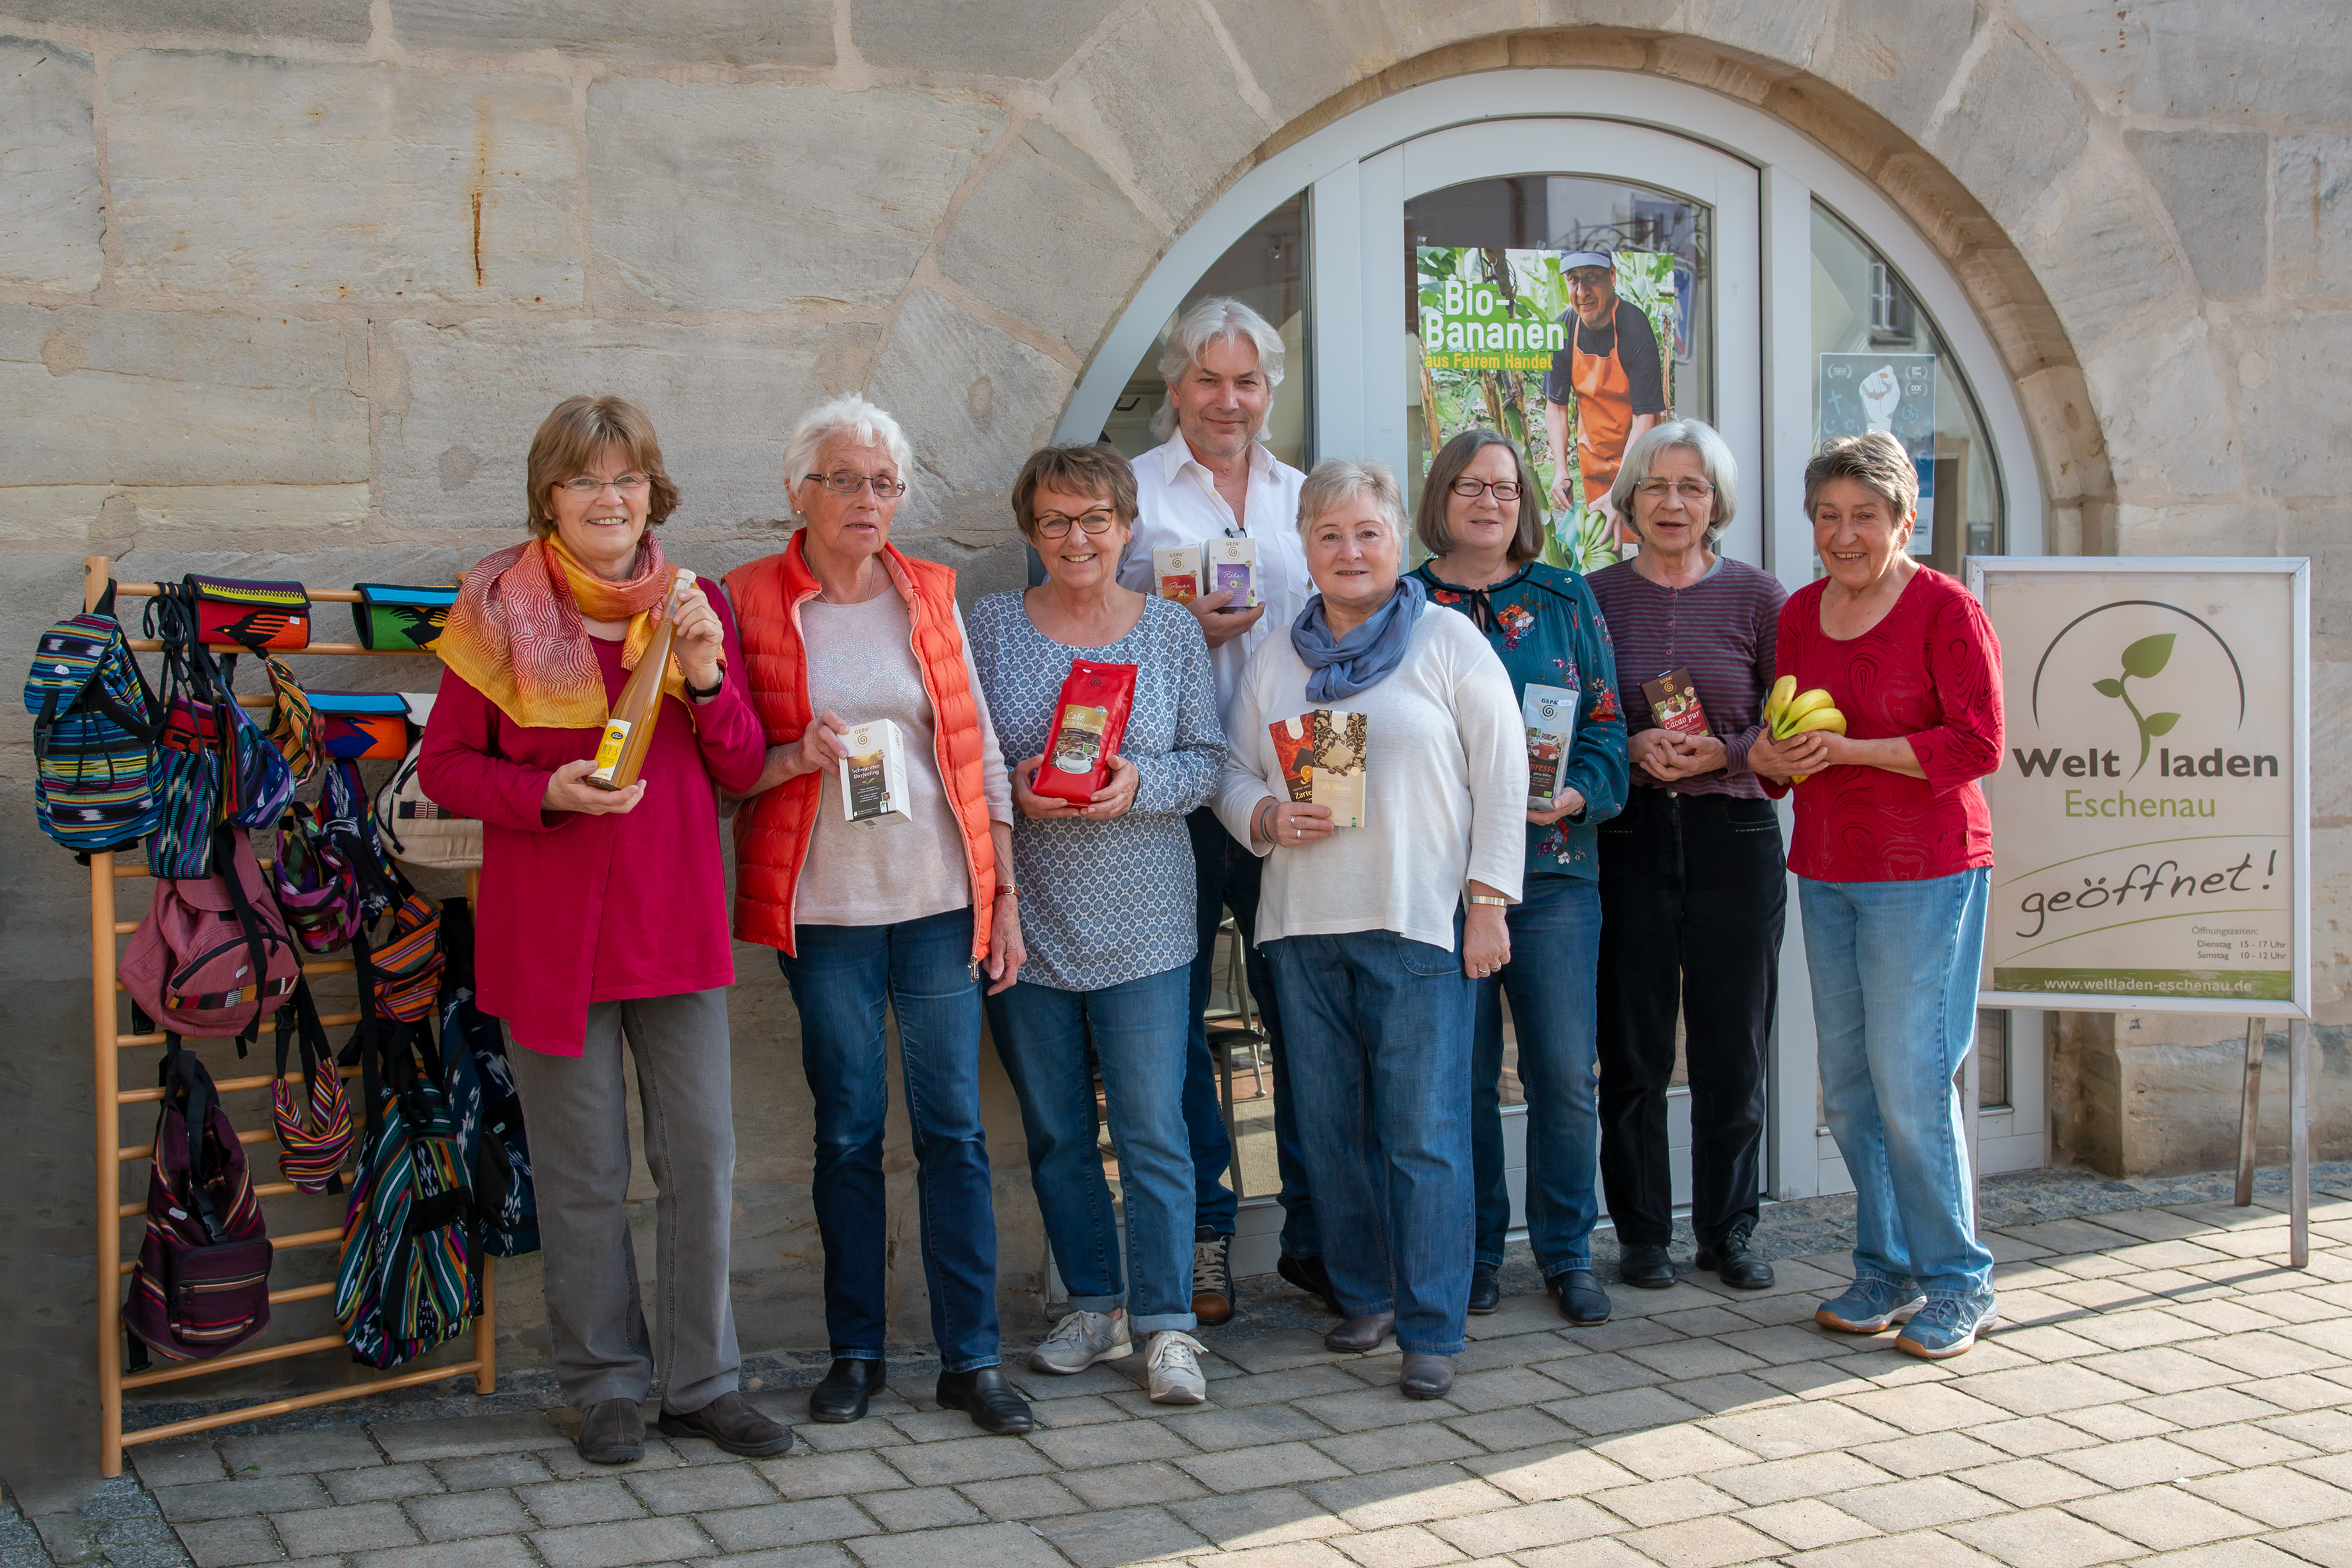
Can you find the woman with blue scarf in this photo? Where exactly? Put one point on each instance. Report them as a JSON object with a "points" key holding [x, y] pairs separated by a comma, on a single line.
{"points": [[1379, 763]]}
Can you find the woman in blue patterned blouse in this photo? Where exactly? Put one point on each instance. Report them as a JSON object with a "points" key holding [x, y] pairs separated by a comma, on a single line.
{"points": [[1483, 536], [1107, 913]]}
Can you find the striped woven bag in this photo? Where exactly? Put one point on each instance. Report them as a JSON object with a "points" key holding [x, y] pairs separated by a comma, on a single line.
{"points": [[292, 725], [408, 966], [313, 1147]]}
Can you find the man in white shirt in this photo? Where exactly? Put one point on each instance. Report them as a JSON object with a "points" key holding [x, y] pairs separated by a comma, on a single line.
{"points": [[1212, 480]]}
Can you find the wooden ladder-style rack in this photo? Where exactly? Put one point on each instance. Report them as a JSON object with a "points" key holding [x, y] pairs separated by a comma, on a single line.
{"points": [[108, 1038]]}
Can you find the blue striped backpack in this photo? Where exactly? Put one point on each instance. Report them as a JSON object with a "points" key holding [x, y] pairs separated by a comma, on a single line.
{"points": [[94, 726]]}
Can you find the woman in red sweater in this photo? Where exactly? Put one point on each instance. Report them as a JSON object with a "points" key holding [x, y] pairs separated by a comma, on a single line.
{"points": [[1892, 854], [604, 914]]}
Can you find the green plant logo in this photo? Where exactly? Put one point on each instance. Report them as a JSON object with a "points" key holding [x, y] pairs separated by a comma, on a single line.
{"points": [[2145, 659]]}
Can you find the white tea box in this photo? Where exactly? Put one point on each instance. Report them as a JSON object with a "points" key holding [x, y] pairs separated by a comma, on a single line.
{"points": [[873, 774]]}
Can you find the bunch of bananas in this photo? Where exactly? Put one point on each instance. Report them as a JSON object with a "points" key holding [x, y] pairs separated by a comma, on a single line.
{"points": [[1788, 711]]}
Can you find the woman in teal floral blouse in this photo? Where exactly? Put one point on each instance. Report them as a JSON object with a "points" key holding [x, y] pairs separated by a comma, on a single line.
{"points": [[1483, 542]]}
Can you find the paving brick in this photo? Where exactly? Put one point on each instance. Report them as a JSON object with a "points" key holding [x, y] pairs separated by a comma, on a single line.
{"points": [[1422, 1443], [494, 1551], [1933, 1408], [2261, 1355], [968, 1546], [461, 1436], [2118, 1422], [621, 1546], [1366, 1408], [779, 1525], [1921, 1504], [1518, 1350], [825, 1555], [2205, 1407], [2164, 1518], [1664, 1502], [292, 1453], [702, 1489], [556, 1504], [951, 1425], [1406, 1497], [1934, 1453], [2329, 1545], [822, 1438], [2279, 1498], [227, 1500], [1524, 1528], [2164, 1369], [796, 1476], [498, 1470], [463, 1516], [1541, 1476], [1298, 1382], [1670, 1451], [1619, 1333], [2146, 1462], [1695, 1358], [1500, 1431], [2042, 1538], [1249, 1427], [377, 1482], [2031, 1483], [1115, 1536], [1789, 1342], [2044, 1390], [1812, 1429], [2244, 1444], [1268, 1518], [1703, 1543], [2297, 1392], [1926, 1549], [1022, 1497], [1120, 1486], [1604, 1374], [1399, 1546], [1807, 1476], [1625, 1411], [1601, 1551], [1246, 1469], [160, 1464], [967, 1459], [1088, 1447], [1083, 1410], [340, 1531], [230, 1543], [921, 1508], [1807, 1523]]}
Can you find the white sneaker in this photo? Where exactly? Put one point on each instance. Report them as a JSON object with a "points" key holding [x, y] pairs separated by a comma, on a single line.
{"points": [[1175, 1364], [1081, 1340]]}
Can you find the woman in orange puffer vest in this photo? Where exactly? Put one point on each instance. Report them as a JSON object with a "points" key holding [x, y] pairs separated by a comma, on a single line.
{"points": [[838, 630]]}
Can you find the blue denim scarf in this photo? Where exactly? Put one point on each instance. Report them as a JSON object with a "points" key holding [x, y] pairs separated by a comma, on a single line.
{"points": [[1341, 666]]}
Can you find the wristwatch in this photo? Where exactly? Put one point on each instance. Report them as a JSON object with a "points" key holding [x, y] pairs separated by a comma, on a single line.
{"points": [[699, 693], [1487, 899]]}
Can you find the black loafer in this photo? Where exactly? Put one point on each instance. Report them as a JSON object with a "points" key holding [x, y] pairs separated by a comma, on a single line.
{"points": [[613, 1432], [994, 1405], [730, 1421], [1730, 1261], [1581, 1298], [847, 1386], [1485, 1290], [1308, 1274], [1645, 1267]]}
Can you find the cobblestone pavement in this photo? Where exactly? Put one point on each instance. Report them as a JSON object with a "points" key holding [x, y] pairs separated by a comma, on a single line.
{"points": [[2165, 1390]]}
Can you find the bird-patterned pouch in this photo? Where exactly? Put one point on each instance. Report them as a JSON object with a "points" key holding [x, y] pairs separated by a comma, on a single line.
{"points": [[391, 616], [230, 610]]}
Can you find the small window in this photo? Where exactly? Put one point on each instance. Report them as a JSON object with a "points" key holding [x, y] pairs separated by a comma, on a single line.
{"points": [[1880, 363]]}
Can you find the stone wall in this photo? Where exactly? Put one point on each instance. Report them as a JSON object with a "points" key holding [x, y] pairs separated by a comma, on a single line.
{"points": [[285, 287]]}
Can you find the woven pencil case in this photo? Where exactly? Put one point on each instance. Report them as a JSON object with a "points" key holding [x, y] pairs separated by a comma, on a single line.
{"points": [[391, 616], [361, 725], [253, 615]]}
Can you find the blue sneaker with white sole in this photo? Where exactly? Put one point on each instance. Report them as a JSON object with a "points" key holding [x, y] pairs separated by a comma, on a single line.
{"points": [[1870, 1307], [1948, 1326]]}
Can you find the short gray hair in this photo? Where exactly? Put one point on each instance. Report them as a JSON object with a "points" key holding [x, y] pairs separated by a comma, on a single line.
{"points": [[1877, 460], [849, 415], [1714, 455], [1215, 320], [1335, 481]]}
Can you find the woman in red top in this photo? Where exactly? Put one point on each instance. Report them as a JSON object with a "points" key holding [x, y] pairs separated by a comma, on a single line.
{"points": [[604, 914], [1892, 853]]}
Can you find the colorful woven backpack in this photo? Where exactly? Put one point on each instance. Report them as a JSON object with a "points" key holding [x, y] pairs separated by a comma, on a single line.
{"points": [[312, 1146], [317, 892], [201, 1282], [93, 734]]}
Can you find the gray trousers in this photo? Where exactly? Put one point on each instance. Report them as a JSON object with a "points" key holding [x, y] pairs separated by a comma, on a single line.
{"points": [[575, 1114]]}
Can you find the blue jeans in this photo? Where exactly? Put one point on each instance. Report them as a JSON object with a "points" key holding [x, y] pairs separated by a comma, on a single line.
{"points": [[841, 980], [1380, 1067], [1894, 968], [1555, 950], [1225, 875], [1138, 1038]]}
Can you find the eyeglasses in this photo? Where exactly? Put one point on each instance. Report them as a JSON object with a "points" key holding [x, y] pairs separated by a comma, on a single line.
{"points": [[1691, 491], [627, 484], [1053, 526], [842, 482], [1469, 488]]}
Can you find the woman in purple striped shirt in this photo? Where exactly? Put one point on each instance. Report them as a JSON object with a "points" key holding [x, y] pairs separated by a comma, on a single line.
{"points": [[1693, 890]]}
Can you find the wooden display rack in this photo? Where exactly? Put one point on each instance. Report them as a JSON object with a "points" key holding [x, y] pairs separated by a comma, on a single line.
{"points": [[107, 1039]]}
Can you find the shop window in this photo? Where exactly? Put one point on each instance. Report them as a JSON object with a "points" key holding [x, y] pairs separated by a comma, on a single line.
{"points": [[1568, 313], [1267, 270], [1880, 363]]}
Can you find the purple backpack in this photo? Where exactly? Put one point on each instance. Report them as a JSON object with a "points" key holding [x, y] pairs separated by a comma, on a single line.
{"points": [[211, 958], [201, 1281]]}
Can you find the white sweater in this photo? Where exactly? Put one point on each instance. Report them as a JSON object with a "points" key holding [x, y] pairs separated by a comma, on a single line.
{"points": [[1445, 789]]}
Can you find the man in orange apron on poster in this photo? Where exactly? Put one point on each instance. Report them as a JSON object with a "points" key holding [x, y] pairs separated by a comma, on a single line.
{"points": [[1612, 369]]}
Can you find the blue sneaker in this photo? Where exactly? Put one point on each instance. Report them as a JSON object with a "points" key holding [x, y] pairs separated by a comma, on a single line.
{"points": [[1870, 1307], [1948, 1326]]}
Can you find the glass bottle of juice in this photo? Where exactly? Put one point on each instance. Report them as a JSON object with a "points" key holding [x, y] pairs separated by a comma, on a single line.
{"points": [[630, 730]]}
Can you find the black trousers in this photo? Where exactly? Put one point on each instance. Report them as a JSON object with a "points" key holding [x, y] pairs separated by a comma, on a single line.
{"points": [[1694, 896]]}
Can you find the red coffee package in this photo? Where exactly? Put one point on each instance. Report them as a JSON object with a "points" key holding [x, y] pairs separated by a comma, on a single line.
{"points": [[1089, 722]]}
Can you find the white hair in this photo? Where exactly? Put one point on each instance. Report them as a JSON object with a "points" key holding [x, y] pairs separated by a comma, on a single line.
{"points": [[849, 415], [1335, 481], [1215, 320], [1714, 457]]}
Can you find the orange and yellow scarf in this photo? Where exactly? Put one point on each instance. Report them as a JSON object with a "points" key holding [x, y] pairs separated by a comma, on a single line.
{"points": [[517, 633]]}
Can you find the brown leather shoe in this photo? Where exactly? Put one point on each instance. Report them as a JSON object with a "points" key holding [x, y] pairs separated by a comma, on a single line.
{"points": [[1212, 1277], [730, 1421]]}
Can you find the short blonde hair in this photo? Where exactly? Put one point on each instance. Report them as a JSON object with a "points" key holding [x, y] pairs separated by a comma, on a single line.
{"points": [[1877, 460], [1335, 481], [567, 441], [1099, 469]]}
